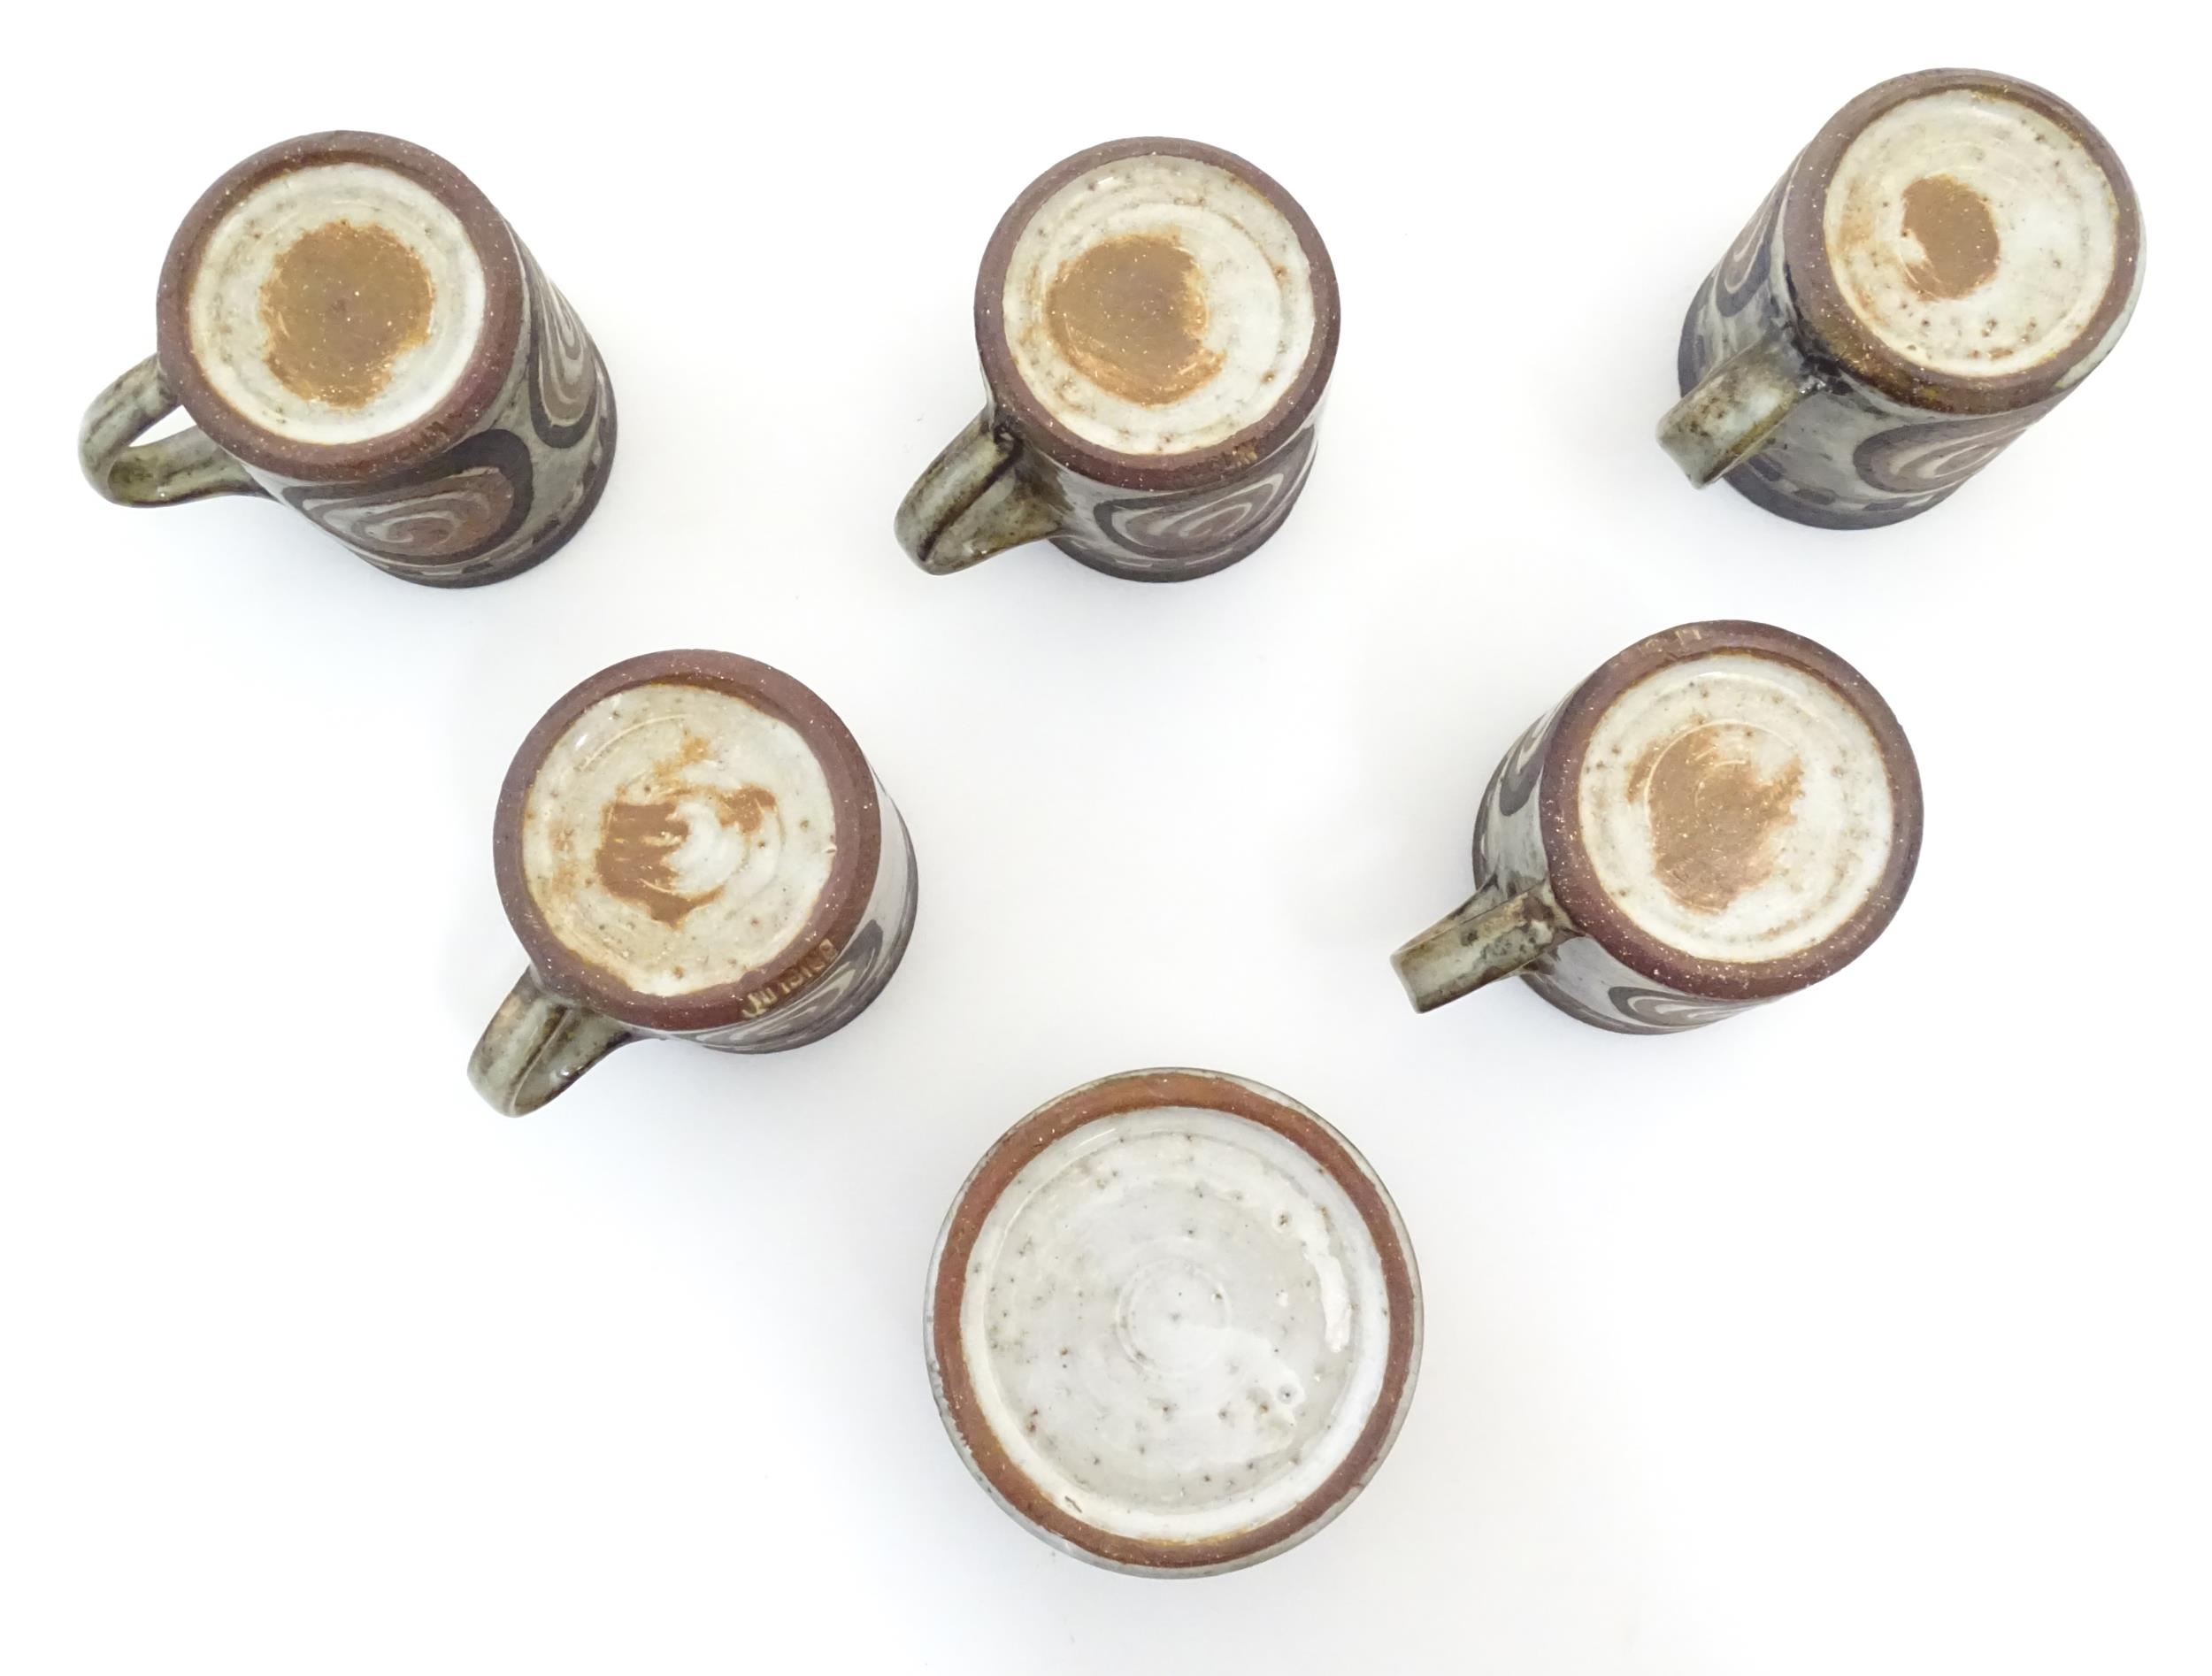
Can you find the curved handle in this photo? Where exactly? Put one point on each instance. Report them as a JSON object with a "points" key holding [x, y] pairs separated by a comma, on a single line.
{"points": [[974, 500], [1488, 937], [1734, 408], [185, 467], [536, 1045]]}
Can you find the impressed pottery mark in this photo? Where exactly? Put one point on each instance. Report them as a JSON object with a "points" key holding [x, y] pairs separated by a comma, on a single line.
{"points": [[1130, 315], [1716, 820], [1957, 234], [340, 305], [817, 961]]}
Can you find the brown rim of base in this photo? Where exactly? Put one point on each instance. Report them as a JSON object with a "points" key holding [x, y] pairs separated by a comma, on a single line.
{"points": [[462, 407], [1011, 395], [1144, 1091], [1843, 336], [836, 915], [1575, 881]]}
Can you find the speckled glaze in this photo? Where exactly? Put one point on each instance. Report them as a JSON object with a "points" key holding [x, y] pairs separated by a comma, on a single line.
{"points": [[1185, 475], [1950, 257], [689, 845], [1173, 1322], [493, 442], [1719, 815]]}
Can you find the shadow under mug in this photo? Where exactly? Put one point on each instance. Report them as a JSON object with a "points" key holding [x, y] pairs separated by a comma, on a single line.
{"points": [[1020, 473], [1843, 366], [483, 473], [695, 798], [1546, 910]]}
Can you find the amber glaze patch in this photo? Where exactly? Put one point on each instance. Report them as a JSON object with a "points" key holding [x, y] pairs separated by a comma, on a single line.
{"points": [[1716, 821], [1130, 314], [340, 306], [1957, 235], [633, 860], [637, 840]]}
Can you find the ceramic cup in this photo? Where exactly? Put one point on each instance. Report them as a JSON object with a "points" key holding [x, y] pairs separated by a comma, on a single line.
{"points": [[1158, 320], [1952, 254], [689, 844], [1173, 1322], [1721, 814], [356, 334]]}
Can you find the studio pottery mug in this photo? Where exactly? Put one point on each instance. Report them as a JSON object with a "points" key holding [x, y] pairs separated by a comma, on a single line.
{"points": [[1952, 254], [689, 844], [1721, 814], [358, 334], [1173, 1322], [1158, 320]]}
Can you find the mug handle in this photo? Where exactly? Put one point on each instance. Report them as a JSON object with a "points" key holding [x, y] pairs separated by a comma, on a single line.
{"points": [[536, 1045], [1489, 936], [1735, 407], [972, 501], [187, 466]]}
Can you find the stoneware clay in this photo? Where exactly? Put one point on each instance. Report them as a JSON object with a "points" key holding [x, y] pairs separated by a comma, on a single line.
{"points": [[1722, 814], [1949, 258], [691, 845], [358, 334], [1158, 320], [1172, 1323]]}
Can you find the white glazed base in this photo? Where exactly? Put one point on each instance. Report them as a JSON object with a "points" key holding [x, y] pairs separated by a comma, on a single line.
{"points": [[1250, 270], [230, 337], [677, 837], [2007, 195], [1735, 807]]}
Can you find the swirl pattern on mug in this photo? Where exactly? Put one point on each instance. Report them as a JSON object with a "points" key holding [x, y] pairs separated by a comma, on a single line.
{"points": [[1201, 524], [677, 837], [1743, 270], [1919, 459], [458, 507], [564, 369]]}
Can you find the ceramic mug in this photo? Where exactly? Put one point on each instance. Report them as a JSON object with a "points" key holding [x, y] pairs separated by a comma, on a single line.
{"points": [[1158, 320], [1173, 1322], [1721, 814], [1952, 254], [358, 334], [690, 845]]}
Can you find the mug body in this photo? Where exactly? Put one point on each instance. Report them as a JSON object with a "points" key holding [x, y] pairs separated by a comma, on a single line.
{"points": [[1158, 320], [691, 844], [348, 317], [1934, 302], [1714, 826]]}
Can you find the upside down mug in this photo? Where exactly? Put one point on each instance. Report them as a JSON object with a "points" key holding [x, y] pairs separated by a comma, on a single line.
{"points": [[1719, 815], [1952, 255], [357, 334], [689, 845], [1158, 320]]}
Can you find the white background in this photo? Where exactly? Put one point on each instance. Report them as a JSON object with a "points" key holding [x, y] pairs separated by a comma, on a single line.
{"points": [[1865, 1333]]}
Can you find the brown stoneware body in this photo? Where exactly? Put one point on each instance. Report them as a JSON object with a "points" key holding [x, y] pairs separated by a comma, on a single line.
{"points": [[1806, 409], [1541, 912], [500, 472], [1017, 473], [568, 1010]]}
